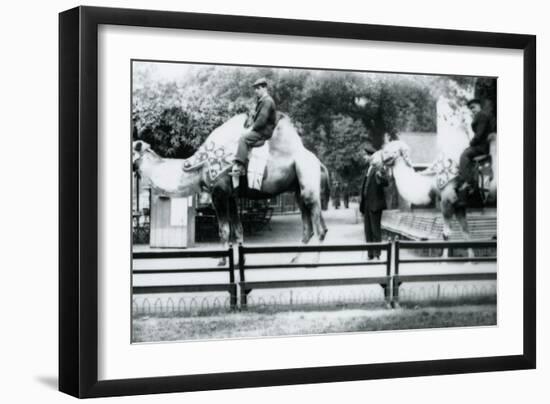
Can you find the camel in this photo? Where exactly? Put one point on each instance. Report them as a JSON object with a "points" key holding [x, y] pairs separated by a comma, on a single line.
{"points": [[438, 182], [290, 167]]}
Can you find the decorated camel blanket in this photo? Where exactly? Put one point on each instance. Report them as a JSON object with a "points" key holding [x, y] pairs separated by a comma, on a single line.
{"points": [[218, 158], [445, 170]]}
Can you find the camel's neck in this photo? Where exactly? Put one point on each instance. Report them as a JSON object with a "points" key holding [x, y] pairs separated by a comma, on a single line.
{"points": [[167, 176], [148, 164], [413, 187]]}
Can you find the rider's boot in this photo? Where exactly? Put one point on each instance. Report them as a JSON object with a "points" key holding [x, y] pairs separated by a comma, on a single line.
{"points": [[237, 171], [466, 188]]}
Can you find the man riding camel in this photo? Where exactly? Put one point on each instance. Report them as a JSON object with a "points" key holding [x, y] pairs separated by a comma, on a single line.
{"points": [[482, 126], [260, 131]]}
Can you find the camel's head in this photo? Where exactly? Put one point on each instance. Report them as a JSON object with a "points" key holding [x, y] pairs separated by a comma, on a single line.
{"points": [[139, 149], [392, 151], [376, 160]]}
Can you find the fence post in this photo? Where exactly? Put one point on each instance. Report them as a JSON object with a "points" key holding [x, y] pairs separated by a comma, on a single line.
{"points": [[387, 288], [241, 276], [233, 289], [395, 283]]}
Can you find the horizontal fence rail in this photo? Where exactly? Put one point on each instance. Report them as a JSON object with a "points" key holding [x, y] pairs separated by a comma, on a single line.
{"points": [[230, 287], [398, 279], [247, 287], [182, 254], [390, 281], [314, 248], [411, 245]]}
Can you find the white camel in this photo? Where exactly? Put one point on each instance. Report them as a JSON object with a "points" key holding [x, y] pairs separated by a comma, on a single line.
{"points": [[437, 183], [290, 167]]}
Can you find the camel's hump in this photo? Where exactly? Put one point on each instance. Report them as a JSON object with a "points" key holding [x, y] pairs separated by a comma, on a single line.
{"points": [[228, 132]]}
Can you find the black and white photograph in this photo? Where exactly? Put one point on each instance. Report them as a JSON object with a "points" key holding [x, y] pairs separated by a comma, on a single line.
{"points": [[276, 201]]}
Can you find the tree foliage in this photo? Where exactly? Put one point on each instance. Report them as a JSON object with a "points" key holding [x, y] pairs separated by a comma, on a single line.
{"points": [[345, 154], [486, 91], [336, 113]]}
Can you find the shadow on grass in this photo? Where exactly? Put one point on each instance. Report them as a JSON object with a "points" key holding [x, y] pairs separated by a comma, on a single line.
{"points": [[270, 322]]}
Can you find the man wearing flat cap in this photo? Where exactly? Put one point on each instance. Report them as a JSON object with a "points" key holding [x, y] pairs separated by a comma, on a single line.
{"points": [[260, 131], [482, 126], [373, 200]]}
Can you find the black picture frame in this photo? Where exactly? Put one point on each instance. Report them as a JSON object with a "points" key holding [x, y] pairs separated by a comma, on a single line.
{"points": [[78, 201]]}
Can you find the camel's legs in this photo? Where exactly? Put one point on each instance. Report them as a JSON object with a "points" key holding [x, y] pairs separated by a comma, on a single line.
{"points": [[325, 229], [447, 212], [220, 201], [308, 172], [318, 221], [460, 214], [312, 207], [307, 227], [235, 221]]}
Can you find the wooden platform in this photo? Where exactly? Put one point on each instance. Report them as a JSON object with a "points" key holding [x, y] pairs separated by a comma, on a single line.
{"points": [[427, 224]]}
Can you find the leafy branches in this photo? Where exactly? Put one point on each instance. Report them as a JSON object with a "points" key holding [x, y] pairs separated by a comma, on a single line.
{"points": [[176, 106]]}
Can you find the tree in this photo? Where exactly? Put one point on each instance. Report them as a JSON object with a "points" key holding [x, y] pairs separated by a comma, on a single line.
{"points": [[334, 112], [176, 117], [391, 103], [486, 91], [345, 154]]}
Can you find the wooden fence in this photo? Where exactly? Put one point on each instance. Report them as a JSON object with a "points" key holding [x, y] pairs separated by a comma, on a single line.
{"points": [[229, 287], [398, 278], [390, 281], [247, 287]]}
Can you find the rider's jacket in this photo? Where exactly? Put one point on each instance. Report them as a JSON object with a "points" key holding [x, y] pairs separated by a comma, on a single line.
{"points": [[264, 116], [482, 125]]}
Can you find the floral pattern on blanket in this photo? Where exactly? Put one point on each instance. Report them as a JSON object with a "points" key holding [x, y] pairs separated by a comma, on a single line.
{"points": [[217, 159], [445, 169]]}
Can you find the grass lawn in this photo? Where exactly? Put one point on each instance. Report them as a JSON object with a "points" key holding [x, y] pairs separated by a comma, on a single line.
{"points": [[258, 323]]}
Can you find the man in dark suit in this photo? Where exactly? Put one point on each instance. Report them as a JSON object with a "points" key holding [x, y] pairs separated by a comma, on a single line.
{"points": [[482, 126], [261, 130], [373, 202]]}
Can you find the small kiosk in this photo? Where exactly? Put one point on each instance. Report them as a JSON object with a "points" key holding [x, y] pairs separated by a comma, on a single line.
{"points": [[172, 221]]}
